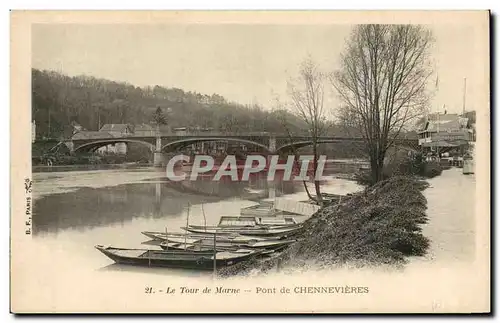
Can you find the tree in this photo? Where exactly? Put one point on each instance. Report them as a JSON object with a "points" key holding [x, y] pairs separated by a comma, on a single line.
{"points": [[159, 118], [382, 83], [229, 123], [282, 115], [307, 97]]}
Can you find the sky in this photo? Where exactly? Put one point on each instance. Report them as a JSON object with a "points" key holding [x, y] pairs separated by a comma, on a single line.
{"points": [[249, 64]]}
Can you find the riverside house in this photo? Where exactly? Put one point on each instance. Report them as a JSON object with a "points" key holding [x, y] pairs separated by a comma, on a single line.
{"points": [[445, 132]]}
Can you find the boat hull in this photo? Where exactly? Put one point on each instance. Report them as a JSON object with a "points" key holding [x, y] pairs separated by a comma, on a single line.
{"points": [[208, 245], [281, 232], [232, 237], [174, 259]]}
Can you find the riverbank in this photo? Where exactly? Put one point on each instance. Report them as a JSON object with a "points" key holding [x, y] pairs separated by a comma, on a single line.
{"points": [[89, 167], [379, 226]]}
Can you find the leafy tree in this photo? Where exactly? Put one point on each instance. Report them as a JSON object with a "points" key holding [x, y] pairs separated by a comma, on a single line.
{"points": [[159, 118]]}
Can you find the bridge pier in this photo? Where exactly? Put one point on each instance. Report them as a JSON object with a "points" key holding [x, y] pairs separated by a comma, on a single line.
{"points": [[272, 144], [158, 159], [271, 189], [158, 193]]}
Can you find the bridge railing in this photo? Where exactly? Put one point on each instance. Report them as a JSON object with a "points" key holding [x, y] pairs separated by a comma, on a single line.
{"points": [[203, 134]]}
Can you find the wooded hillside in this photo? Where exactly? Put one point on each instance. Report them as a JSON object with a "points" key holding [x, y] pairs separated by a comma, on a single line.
{"points": [[58, 100]]}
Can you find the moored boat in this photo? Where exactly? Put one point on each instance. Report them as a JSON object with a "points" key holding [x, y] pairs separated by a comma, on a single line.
{"points": [[208, 244], [176, 258], [197, 248], [255, 221], [239, 224], [276, 232], [227, 237], [261, 209]]}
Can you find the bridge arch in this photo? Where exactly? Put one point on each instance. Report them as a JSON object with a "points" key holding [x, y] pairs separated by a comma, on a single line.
{"points": [[190, 141], [93, 145]]}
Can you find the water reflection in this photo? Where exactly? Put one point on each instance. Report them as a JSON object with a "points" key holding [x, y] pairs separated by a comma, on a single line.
{"points": [[256, 187], [94, 207], [87, 207], [82, 201]]}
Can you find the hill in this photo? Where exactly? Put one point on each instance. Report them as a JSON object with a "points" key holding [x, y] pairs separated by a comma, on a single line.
{"points": [[58, 100]]}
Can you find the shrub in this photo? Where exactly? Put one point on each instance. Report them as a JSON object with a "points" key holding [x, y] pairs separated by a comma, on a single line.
{"points": [[415, 165], [432, 169]]}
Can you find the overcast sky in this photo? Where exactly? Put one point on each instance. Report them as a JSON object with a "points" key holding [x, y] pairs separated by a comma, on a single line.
{"points": [[244, 63]]}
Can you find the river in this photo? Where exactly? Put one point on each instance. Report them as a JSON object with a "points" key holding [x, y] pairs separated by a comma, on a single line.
{"points": [[452, 217], [74, 211]]}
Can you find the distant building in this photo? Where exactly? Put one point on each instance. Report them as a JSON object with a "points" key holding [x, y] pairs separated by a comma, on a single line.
{"points": [[118, 129], [76, 127], [180, 131], [145, 130], [90, 135], [150, 130], [444, 131]]}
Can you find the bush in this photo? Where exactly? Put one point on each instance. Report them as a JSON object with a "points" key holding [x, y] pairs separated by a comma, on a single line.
{"points": [[432, 169], [415, 165]]}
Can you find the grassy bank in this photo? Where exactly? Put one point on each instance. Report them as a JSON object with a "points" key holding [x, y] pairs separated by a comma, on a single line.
{"points": [[380, 225], [403, 166]]}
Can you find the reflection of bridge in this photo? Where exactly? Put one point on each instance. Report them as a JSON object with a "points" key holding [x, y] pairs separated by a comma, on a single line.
{"points": [[268, 143]]}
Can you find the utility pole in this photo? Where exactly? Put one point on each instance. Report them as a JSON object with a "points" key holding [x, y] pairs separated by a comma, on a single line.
{"points": [[465, 90], [48, 133]]}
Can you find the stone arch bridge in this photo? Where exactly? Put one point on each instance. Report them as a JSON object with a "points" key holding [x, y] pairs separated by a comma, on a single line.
{"points": [[267, 143]]}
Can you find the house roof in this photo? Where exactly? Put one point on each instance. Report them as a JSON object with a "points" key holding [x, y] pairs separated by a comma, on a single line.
{"points": [[444, 122], [91, 135], [441, 143], [77, 125], [144, 127], [115, 127]]}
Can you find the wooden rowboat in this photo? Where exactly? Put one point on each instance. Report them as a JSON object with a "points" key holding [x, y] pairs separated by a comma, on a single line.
{"points": [[208, 244], [255, 221], [227, 237], [175, 258], [197, 248], [236, 224], [278, 232], [261, 209]]}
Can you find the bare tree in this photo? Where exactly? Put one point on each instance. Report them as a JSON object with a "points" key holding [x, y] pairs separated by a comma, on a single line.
{"points": [[282, 115], [307, 97], [382, 83]]}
